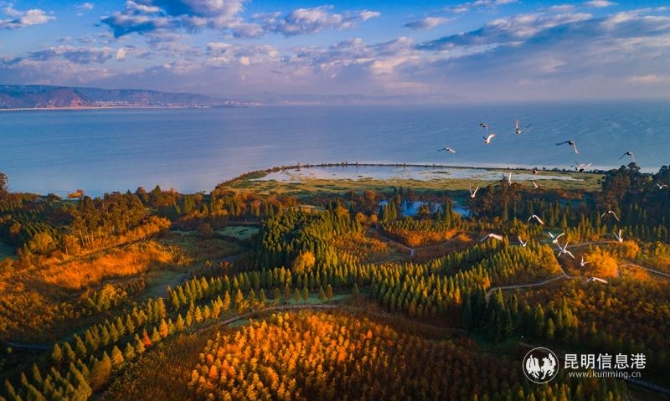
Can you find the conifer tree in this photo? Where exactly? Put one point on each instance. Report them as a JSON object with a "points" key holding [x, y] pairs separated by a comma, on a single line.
{"points": [[57, 355], [101, 372], [117, 357]]}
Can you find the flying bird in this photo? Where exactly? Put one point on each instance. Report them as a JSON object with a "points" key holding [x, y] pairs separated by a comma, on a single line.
{"points": [[661, 186], [487, 139], [491, 235], [620, 236], [519, 130], [450, 150], [508, 178], [535, 171], [539, 220], [597, 280], [610, 212], [583, 262], [473, 193], [535, 184], [522, 242], [571, 143], [629, 153], [582, 166], [554, 239], [563, 250], [484, 125]]}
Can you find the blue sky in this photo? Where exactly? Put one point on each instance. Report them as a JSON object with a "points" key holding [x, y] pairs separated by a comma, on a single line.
{"points": [[481, 50]]}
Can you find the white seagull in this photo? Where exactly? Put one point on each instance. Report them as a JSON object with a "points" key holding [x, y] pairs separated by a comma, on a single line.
{"points": [[522, 242], [491, 235], [583, 262], [564, 250], [661, 186], [582, 166], [508, 178], [554, 239], [450, 150], [629, 153], [619, 237], [519, 130], [539, 220], [571, 143], [473, 193], [597, 280], [535, 184], [487, 139], [610, 212]]}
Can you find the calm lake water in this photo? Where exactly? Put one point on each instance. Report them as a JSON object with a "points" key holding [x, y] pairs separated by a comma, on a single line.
{"points": [[194, 149]]}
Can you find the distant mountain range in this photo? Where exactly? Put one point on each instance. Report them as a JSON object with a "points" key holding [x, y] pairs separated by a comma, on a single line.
{"points": [[53, 97]]}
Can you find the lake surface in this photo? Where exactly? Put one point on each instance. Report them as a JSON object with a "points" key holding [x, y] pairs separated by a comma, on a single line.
{"points": [[194, 149]]}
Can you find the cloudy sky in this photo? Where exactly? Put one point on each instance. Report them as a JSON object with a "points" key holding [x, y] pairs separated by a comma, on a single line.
{"points": [[481, 50]]}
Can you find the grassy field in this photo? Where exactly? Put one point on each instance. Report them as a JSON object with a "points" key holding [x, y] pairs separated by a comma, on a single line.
{"points": [[300, 183], [238, 232]]}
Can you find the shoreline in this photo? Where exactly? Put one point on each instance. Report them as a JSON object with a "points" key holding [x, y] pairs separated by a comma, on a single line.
{"points": [[543, 169], [128, 107], [484, 174]]}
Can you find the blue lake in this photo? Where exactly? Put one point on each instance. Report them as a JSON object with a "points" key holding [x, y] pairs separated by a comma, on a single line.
{"points": [[192, 150]]}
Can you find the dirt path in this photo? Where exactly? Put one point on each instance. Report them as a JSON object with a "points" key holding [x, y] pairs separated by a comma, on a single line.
{"points": [[511, 287]]}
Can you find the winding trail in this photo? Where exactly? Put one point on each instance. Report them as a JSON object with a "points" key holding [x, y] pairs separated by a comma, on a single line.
{"points": [[650, 270], [511, 287]]}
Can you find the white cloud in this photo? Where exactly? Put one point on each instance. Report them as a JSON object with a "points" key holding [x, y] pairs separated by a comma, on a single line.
{"points": [[426, 23], [599, 3], [367, 14], [22, 19], [649, 79], [145, 16], [465, 7], [85, 6], [77, 55], [120, 54], [312, 20]]}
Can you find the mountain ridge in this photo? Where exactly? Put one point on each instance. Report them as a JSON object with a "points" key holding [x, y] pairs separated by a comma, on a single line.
{"points": [[55, 97]]}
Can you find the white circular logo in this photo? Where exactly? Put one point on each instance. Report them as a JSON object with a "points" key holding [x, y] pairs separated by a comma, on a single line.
{"points": [[540, 365]]}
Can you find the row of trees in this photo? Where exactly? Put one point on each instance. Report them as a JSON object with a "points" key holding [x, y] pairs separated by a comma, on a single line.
{"points": [[335, 356]]}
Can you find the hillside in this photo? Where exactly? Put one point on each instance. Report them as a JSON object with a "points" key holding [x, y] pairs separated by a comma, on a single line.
{"points": [[42, 96], [243, 294]]}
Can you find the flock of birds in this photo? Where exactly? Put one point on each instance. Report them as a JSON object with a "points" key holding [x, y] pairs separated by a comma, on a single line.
{"points": [[580, 167], [561, 249], [554, 239]]}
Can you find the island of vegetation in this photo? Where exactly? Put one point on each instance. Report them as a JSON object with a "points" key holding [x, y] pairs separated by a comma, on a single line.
{"points": [[333, 289]]}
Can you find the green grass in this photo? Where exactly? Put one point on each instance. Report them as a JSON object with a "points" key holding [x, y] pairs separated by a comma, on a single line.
{"points": [[308, 185], [239, 232]]}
